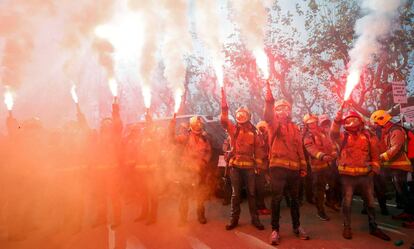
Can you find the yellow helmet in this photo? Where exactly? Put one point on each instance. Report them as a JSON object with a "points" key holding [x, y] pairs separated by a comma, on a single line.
{"points": [[196, 124], [310, 118], [380, 117]]}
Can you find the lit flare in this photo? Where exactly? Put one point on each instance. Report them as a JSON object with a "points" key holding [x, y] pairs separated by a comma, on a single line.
{"points": [[74, 94], [351, 82], [218, 68], [146, 92], [8, 100], [262, 62], [113, 86], [177, 99]]}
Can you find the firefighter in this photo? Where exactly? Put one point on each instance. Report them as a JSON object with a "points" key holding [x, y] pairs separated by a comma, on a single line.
{"points": [[358, 161], [245, 155], [193, 169], [287, 162], [321, 152], [333, 193], [106, 175], [148, 164], [394, 157], [262, 171]]}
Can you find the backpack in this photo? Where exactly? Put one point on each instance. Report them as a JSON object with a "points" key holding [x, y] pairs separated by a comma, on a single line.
{"points": [[407, 134]]}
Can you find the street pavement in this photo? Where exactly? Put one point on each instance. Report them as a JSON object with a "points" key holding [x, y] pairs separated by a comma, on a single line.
{"points": [[167, 234]]}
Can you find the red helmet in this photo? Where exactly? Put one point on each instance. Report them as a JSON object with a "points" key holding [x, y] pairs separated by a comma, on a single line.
{"points": [[353, 121]]}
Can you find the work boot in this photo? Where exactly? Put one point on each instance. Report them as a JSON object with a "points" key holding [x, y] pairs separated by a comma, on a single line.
{"points": [[233, 223], [275, 238], [380, 234], [323, 216], [300, 233], [347, 233], [256, 222]]}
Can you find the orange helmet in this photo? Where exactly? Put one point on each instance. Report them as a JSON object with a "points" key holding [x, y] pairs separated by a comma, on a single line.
{"points": [[380, 117], [196, 124], [243, 115], [310, 118]]}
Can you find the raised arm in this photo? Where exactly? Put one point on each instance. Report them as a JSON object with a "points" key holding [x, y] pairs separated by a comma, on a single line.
{"points": [[269, 103]]}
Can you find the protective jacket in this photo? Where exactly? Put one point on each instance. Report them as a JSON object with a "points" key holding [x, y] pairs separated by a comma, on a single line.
{"points": [[285, 142], [317, 145], [196, 148], [246, 144], [358, 151], [394, 139]]}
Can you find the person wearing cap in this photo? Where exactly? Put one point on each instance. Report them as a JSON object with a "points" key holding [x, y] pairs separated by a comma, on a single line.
{"points": [[321, 152], [194, 160], [262, 170], [394, 159], [246, 154], [358, 161], [286, 162]]}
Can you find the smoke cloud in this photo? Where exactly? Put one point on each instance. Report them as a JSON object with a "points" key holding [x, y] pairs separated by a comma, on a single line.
{"points": [[376, 24], [208, 28], [177, 42]]}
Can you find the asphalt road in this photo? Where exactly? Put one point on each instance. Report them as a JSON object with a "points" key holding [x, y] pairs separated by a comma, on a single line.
{"points": [[166, 234]]}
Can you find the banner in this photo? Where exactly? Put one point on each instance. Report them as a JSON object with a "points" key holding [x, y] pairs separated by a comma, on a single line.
{"points": [[399, 92]]}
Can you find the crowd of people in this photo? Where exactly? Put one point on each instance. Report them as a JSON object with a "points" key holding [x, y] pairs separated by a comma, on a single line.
{"points": [[77, 173]]}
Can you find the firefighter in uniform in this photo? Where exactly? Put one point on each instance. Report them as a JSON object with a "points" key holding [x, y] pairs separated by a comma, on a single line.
{"points": [[245, 155], [193, 170], [394, 157], [286, 162], [106, 176], [321, 152], [148, 165], [358, 161]]}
